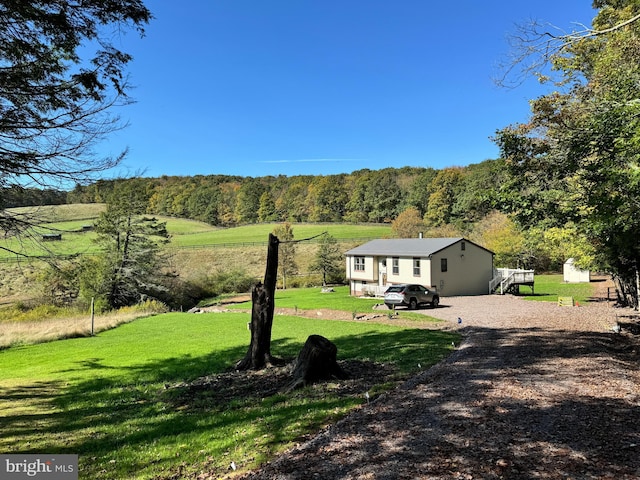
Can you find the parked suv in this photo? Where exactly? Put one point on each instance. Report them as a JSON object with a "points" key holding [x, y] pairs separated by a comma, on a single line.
{"points": [[410, 295]]}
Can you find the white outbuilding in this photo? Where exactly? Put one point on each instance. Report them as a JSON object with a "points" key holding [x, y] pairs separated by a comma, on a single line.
{"points": [[573, 274]]}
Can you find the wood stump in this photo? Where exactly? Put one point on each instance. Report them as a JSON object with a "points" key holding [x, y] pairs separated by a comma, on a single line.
{"points": [[316, 361], [263, 305]]}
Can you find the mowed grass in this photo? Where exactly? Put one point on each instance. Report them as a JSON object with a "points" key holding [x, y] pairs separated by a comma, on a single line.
{"points": [[260, 233], [104, 397], [314, 298], [339, 299], [549, 287]]}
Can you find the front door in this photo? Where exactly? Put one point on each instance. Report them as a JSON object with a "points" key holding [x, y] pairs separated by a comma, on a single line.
{"points": [[382, 272]]}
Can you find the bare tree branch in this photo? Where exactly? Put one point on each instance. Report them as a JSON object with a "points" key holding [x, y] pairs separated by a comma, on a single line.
{"points": [[534, 46]]}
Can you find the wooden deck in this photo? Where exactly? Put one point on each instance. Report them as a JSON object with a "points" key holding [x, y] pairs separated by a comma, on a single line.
{"points": [[508, 280]]}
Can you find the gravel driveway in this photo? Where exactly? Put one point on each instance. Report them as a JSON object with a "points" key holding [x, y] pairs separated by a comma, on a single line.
{"points": [[535, 391]]}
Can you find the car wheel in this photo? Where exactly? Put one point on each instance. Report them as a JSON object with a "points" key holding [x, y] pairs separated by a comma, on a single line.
{"points": [[435, 302], [413, 304]]}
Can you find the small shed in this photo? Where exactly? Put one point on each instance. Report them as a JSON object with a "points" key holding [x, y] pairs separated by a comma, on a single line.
{"points": [[573, 274]]}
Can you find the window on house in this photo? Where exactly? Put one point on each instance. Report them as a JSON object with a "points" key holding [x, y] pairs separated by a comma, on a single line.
{"points": [[358, 264], [395, 265], [416, 267], [463, 246], [443, 264]]}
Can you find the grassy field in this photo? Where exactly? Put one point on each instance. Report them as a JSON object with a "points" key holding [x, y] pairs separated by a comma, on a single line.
{"points": [[70, 219], [44, 323], [260, 233], [61, 213], [196, 249], [105, 397], [339, 299], [549, 287]]}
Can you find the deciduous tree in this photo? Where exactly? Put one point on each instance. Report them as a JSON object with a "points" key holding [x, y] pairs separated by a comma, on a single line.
{"points": [[583, 139], [442, 198], [409, 224]]}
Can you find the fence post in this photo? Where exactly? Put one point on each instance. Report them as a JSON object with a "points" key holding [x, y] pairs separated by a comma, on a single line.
{"points": [[92, 315]]}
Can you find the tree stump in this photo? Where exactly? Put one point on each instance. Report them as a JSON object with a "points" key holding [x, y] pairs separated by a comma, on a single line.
{"points": [[316, 361]]}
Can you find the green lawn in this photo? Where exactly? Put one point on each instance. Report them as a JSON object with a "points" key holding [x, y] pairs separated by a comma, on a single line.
{"points": [[549, 287], [104, 397], [313, 298]]}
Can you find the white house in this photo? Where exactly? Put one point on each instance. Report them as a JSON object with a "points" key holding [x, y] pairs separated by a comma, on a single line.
{"points": [[454, 266], [573, 274]]}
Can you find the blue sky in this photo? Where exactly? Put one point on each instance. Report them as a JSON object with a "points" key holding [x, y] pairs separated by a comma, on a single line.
{"points": [[270, 87]]}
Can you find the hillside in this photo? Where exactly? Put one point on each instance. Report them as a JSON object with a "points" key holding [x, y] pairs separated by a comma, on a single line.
{"points": [[196, 249], [69, 221]]}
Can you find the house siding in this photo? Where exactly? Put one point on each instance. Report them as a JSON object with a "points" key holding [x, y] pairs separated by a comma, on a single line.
{"points": [[405, 271], [468, 271], [370, 272]]}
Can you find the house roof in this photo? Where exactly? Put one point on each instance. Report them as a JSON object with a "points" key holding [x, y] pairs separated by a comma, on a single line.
{"points": [[413, 247]]}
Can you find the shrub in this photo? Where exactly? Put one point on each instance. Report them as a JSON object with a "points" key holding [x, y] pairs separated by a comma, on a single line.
{"points": [[148, 306], [228, 281]]}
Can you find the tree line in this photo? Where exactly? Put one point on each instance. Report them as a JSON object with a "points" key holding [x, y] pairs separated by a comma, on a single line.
{"points": [[456, 195], [478, 201]]}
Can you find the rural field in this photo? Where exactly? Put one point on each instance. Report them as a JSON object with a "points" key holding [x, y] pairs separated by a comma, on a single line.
{"points": [[69, 220], [136, 400], [195, 250]]}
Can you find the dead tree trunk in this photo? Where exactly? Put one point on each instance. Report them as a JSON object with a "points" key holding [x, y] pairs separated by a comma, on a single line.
{"points": [[316, 361], [263, 304]]}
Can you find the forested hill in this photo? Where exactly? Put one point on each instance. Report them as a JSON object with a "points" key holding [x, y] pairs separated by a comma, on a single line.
{"points": [[449, 196]]}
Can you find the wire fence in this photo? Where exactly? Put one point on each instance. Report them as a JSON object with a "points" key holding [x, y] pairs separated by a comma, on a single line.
{"points": [[208, 246]]}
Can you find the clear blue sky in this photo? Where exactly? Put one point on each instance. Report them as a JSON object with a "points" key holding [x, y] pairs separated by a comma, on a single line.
{"points": [[269, 87]]}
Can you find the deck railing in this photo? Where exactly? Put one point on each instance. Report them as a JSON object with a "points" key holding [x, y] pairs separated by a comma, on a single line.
{"points": [[505, 277], [374, 290]]}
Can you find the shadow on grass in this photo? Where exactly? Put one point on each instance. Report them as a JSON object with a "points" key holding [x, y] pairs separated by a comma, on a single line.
{"points": [[131, 424], [534, 295]]}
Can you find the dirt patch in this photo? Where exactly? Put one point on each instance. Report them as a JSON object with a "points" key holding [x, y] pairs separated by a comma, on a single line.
{"points": [[218, 391]]}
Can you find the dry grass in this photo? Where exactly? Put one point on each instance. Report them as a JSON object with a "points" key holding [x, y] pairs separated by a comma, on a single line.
{"points": [[197, 263], [61, 213], [18, 281], [56, 328]]}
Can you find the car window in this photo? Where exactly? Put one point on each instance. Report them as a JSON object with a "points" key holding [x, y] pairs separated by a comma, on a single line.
{"points": [[394, 289]]}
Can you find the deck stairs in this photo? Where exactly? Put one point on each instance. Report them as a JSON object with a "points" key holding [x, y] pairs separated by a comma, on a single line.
{"points": [[508, 280]]}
